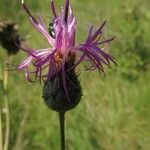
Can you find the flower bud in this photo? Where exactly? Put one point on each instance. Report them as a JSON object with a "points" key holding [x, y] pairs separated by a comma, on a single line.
{"points": [[9, 37]]}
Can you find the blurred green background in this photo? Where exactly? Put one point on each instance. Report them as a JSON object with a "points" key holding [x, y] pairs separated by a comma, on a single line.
{"points": [[114, 113]]}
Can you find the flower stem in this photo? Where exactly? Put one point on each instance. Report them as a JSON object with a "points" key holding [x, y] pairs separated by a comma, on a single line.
{"points": [[62, 129]]}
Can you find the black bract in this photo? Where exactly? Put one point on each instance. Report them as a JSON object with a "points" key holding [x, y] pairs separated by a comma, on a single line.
{"points": [[54, 94]]}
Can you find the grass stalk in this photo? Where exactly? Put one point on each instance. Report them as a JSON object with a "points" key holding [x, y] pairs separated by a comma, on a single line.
{"points": [[5, 83], [1, 134], [6, 143]]}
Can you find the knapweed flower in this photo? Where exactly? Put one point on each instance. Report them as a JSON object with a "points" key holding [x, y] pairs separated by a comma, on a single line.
{"points": [[63, 54]]}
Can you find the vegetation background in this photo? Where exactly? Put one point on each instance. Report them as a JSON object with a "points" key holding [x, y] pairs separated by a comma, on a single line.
{"points": [[114, 113]]}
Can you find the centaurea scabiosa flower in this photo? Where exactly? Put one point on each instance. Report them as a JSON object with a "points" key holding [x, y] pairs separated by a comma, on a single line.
{"points": [[56, 64], [61, 56]]}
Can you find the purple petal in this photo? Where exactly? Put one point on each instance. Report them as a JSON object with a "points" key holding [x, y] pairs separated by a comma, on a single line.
{"points": [[105, 41], [39, 25], [42, 30], [53, 9], [28, 12], [90, 33], [25, 63], [64, 81], [105, 55], [66, 11], [99, 31]]}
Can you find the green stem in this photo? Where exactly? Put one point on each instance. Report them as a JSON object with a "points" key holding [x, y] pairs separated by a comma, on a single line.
{"points": [[1, 136], [62, 129], [5, 84], [6, 143]]}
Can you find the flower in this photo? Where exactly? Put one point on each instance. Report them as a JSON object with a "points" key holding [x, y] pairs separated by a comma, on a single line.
{"points": [[61, 38]]}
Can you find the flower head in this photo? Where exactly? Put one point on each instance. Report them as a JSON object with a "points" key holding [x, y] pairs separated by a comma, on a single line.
{"points": [[62, 47], [9, 36]]}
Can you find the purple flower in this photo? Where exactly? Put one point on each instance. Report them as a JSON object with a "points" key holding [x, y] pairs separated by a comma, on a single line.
{"points": [[62, 47]]}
